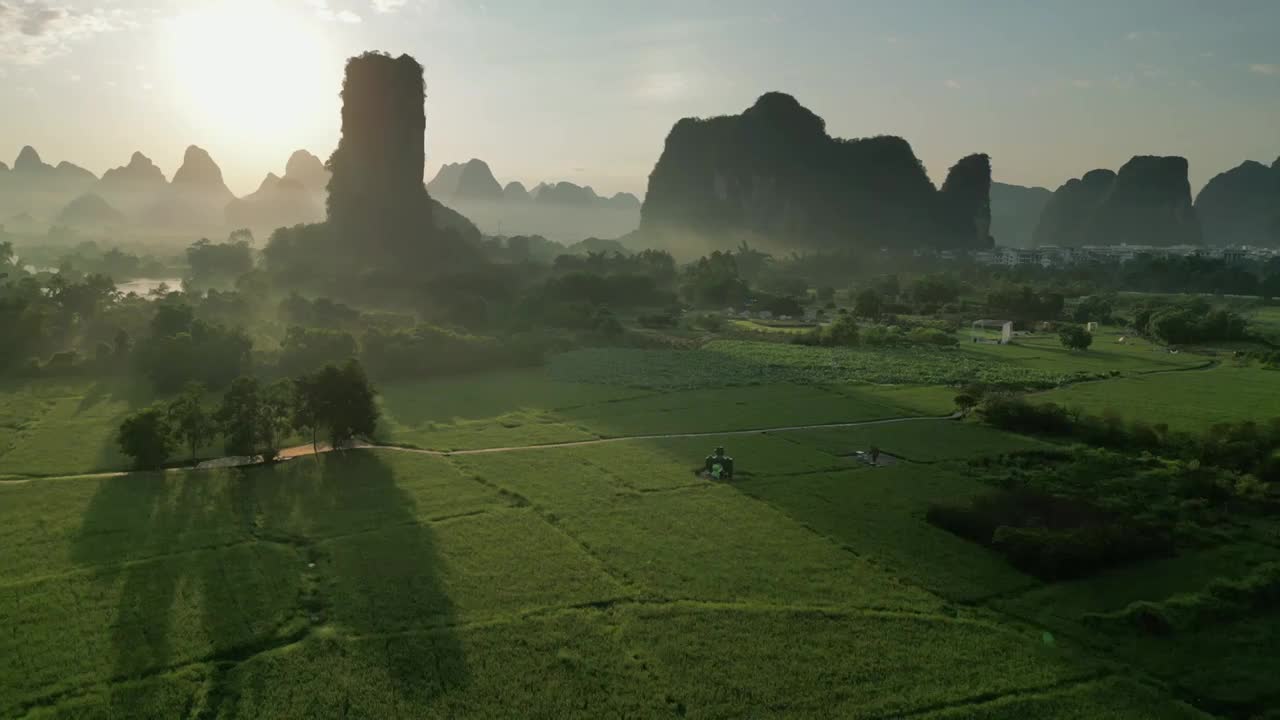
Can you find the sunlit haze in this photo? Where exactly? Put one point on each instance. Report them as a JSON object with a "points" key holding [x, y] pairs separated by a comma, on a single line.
{"points": [[586, 91]]}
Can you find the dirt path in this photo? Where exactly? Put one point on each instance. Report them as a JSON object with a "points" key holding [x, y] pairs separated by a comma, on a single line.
{"points": [[306, 450]]}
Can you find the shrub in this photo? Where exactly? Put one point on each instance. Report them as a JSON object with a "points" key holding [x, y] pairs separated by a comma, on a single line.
{"points": [[931, 336], [709, 322], [844, 332], [655, 321], [1221, 600], [1075, 337], [1046, 535]]}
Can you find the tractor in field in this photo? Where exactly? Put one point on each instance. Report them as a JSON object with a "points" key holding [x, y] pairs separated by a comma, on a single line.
{"points": [[718, 466]]}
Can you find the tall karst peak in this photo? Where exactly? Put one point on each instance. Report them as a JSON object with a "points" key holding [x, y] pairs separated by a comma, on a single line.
{"points": [[774, 176], [29, 160], [307, 170], [199, 173]]}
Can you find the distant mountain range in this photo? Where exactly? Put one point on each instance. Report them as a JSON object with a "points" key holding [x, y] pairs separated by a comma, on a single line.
{"points": [[1147, 202], [559, 211], [138, 195]]}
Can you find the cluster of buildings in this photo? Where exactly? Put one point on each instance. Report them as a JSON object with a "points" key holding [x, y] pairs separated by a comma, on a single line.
{"points": [[1050, 256]]}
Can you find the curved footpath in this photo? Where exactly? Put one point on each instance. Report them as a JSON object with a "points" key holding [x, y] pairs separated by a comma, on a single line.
{"points": [[305, 450]]}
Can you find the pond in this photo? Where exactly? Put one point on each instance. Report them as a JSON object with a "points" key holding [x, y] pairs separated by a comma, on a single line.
{"points": [[144, 286]]}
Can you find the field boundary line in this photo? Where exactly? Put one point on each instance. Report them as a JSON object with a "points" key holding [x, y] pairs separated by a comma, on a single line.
{"points": [[1095, 676]]}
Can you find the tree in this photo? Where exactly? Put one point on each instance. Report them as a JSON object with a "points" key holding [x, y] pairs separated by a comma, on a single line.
{"points": [[844, 331], [239, 417], [965, 402], [146, 437], [867, 304], [935, 289], [1075, 337], [275, 417], [190, 422], [306, 349], [1094, 308], [339, 400]]}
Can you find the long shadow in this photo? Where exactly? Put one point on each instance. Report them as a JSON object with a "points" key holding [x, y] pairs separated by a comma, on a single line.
{"points": [[226, 568]]}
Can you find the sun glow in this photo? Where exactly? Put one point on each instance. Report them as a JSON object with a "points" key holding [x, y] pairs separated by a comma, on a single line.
{"points": [[252, 72]]}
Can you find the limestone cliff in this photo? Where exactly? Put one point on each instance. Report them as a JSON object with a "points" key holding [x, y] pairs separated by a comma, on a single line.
{"points": [[773, 173], [1241, 205]]}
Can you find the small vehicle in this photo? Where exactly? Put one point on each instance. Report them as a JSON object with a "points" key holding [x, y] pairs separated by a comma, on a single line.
{"points": [[718, 466]]}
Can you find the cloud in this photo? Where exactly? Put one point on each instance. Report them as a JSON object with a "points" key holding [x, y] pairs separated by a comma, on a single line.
{"points": [[328, 14], [1082, 84], [1265, 69], [662, 86], [953, 84], [387, 6], [33, 31]]}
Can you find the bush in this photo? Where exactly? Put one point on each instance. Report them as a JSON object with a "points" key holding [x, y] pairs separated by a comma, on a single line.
{"points": [[1221, 600], [842, 332], [656, 321], [930, 336], [709, 322], [1015, 414], [1049, 536], [1075, 337]]}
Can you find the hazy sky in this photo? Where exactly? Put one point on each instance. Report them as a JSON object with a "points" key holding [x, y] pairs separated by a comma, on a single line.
{"points": [[586, 90]]}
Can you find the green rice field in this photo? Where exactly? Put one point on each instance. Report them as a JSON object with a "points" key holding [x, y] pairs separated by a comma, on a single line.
{"points": [[605, 579]]}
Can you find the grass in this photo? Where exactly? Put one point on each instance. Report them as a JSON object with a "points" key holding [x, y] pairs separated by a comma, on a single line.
{"points": [[62, 426], [878, 513], [1191, 401]]}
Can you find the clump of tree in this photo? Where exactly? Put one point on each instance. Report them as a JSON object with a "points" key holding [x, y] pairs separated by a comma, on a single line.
{"points": [[1094, 308], [212, 263], [182, 349], [1191, 322], [713, 281], [337, 402], [1075, 337], [147, 437], [306, 349], [189, 421], [934, 290], [868, 304], [1050, 536], [1024, 303]]}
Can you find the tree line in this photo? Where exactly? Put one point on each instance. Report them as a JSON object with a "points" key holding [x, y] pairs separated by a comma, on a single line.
{"points": [[336, 402]]}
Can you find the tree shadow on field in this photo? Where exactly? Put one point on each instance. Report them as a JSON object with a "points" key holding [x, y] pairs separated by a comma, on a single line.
{"points": [[225, 566]]}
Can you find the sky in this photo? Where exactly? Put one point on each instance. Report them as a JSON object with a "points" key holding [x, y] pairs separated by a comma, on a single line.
{"points": [[587, 90]]}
